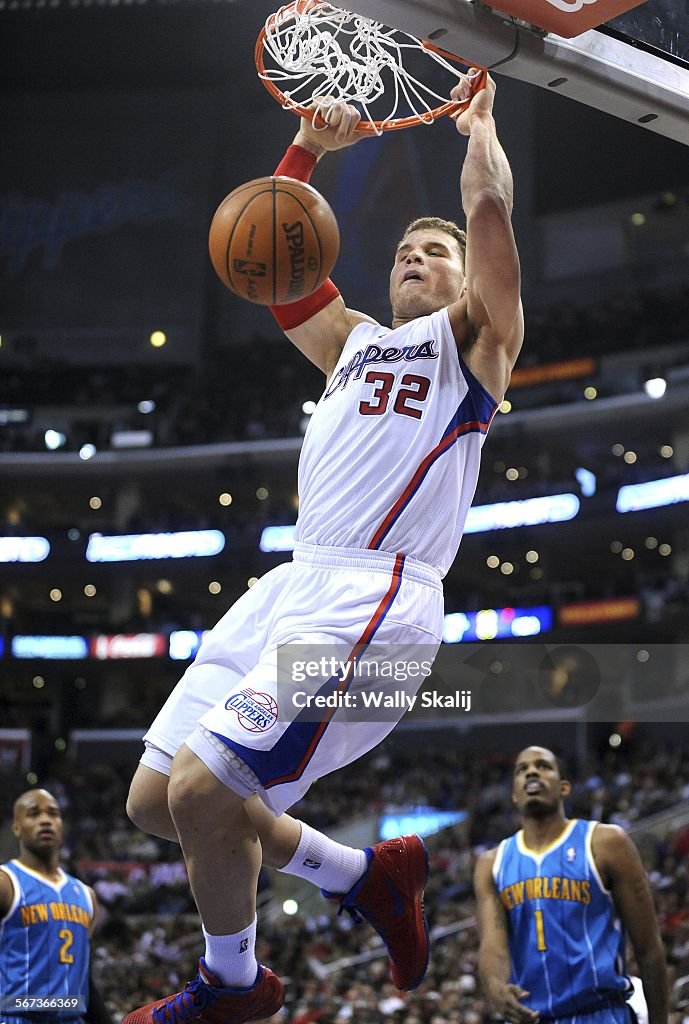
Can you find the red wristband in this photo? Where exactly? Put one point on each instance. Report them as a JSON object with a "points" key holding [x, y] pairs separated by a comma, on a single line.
{"points": [[294, 314], [297, 163]]}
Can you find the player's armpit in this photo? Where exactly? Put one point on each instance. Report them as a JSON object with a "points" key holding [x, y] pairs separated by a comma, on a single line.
{"points": [[322, 337]]}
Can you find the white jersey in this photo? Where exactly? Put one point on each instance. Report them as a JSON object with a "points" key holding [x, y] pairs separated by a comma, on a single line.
{"points": [[391, 455]]}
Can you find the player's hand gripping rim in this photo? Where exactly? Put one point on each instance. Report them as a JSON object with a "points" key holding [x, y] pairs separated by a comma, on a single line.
{"points": [[481, 105], [332, 125]]}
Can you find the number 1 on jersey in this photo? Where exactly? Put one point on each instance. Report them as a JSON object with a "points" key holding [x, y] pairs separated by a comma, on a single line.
{"points": [[540, 933]]}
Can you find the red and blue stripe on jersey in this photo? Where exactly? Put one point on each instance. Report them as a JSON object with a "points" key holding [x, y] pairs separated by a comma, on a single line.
{"points": [[287, 760], [473, 415]]}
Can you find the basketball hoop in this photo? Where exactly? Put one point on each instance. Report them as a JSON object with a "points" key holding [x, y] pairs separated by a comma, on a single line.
{"points": [[329, 55]]}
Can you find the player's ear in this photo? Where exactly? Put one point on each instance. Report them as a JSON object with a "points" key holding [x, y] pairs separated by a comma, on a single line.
{"points": [[565, 788]]}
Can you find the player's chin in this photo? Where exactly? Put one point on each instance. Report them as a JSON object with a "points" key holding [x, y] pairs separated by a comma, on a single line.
{"points": [[537, 805], [408, 307], [46, 842]]}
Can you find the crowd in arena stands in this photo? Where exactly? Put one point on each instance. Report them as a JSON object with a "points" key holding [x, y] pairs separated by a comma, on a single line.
{"points": [[198, 407], [148, 941]]}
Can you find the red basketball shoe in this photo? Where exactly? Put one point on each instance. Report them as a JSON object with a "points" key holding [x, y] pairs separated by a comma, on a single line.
{"points": [[205, 1000], [389, 895]]}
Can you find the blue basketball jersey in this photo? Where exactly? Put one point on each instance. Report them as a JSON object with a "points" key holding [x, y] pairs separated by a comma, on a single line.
{"points": [[44, 939], [566, 942]]}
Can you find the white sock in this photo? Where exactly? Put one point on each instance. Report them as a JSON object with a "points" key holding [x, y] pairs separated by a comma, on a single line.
{"points": [[232, 958], [326, 863]]}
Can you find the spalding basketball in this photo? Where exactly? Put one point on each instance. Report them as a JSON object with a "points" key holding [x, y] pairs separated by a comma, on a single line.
{"points": [[274, 240]]}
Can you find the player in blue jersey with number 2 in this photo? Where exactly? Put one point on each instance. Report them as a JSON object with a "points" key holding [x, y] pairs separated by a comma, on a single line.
{"points": [[555, 903], [46, 918]]}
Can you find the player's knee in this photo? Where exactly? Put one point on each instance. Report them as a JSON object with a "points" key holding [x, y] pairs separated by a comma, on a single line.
{"points": [[147, 804], [191, 786], [138, 811], [196, 798]]}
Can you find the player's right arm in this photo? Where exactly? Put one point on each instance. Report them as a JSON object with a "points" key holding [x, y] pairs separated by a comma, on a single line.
{"points": [[6, 893], [322, 335], [494, 953]]}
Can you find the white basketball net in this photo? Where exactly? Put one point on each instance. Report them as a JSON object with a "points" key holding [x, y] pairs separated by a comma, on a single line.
{"points": [[342, 57]]}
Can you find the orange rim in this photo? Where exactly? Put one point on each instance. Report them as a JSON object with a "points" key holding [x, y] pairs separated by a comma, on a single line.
{"points": [[364, 126]]}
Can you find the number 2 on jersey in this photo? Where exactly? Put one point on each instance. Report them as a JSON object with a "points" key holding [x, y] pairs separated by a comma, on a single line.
{"points": [[540, 933], [65, 956], [415, 389]]}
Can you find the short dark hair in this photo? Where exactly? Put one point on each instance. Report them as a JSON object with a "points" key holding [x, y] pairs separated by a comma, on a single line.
{"points": [[560, 761], [438, 224]]}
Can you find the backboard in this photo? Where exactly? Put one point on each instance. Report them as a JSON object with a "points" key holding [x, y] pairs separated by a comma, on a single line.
{"points": [[635, 67]]}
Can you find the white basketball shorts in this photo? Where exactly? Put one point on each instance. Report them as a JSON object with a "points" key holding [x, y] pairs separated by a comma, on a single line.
{"points": [[253, 704]]}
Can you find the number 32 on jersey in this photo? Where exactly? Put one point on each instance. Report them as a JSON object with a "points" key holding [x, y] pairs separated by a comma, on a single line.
{"points": [[412, 392]]}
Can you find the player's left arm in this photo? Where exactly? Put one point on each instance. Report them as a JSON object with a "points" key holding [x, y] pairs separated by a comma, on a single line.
{"points": [[94, 915], [621, 869], [491, 303]]}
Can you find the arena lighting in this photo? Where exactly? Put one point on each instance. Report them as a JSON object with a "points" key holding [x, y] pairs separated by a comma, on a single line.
{"points": [[131, 439], [277, 538], [54, 439], [422, 820], [137, 547], [655, 387], [13, 414], [24, 549], [184, 643], [492, 623], [587, 481], [506, 515], [58, 648], [653, 494]]}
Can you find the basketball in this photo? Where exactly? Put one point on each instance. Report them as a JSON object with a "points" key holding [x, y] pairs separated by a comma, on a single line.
{"points": [[273, 240]]}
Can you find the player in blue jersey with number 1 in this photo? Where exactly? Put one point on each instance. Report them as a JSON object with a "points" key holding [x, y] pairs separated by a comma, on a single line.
{"points": [[555, 902], [46, 918]]}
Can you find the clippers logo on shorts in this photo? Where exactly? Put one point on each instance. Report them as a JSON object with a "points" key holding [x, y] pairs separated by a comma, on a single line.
{"points": [[377, 354], [256, 712]]}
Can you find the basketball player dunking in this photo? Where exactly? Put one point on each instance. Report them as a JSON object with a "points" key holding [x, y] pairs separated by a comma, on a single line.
{"points": [[387, 473]]}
